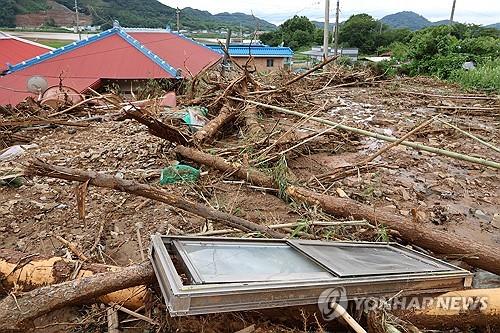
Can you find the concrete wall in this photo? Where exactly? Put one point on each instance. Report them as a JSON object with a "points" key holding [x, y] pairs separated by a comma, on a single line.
{"points": [[261, 63]]}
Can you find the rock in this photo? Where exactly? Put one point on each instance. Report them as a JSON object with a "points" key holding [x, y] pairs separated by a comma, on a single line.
{"points": [[405, 194], [21, 245], [496, 221], [71, 131], [404, 212], [481, 215], [341, 193]]}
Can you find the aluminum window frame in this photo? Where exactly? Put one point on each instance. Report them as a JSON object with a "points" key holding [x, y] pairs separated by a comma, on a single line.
{"points": [[196, 299], [198, 278], [397, 248]]}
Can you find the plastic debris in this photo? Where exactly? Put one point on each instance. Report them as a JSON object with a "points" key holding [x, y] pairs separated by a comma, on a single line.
{"points": [[169, 100], [195, 117], [179, 173], [15, 151]]}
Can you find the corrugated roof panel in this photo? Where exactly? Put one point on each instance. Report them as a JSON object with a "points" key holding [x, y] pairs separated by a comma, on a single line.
{"points": [[109, 58], [256, 51], [180, 52], [14, 50], [113, 54]]}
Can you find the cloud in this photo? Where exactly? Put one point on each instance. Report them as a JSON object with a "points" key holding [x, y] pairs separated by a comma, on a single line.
{"points": [[478, 11]]}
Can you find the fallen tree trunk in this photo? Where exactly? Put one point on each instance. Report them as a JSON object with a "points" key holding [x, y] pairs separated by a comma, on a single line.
{"points": [[253, 128], [157, 128], [462, 308], [474, 253], [208, 131], [18, 312], [32, 122], [39, 168], [27, 272], [253, 176]]}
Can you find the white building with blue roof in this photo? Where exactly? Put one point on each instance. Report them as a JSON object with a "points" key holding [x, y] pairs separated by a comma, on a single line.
{"points": [[263, 58]]}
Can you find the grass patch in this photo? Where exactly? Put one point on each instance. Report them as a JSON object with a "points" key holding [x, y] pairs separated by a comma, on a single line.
{"points": [[55, 43], [484, 77], [280, 176]]}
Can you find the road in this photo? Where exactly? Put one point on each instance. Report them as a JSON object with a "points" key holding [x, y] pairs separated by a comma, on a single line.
{"points": [[48, 35]]}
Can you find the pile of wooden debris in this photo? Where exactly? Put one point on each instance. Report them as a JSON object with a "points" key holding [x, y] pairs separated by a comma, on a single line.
{"points": [[247, 130]]}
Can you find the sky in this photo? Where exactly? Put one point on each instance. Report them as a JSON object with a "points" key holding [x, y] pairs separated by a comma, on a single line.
{"points": [[276, 11]]}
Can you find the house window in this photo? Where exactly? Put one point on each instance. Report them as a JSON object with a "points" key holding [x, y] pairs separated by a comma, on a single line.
{"points": [[199, 275], [270, 62]]}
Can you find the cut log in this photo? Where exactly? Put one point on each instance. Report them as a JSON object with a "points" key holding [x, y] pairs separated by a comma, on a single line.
{"points": [[39, 168], [18, 312], [443, 311], [462, 308], [29, 272], [474, 253], [208, 131]]}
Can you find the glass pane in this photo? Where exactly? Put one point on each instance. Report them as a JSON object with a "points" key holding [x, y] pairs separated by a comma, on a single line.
{"points": [[239, 262], [363, 260]]}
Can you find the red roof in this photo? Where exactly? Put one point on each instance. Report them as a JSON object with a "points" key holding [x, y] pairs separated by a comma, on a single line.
{"points": [[13, 50], [113, 54], [180, 52]]}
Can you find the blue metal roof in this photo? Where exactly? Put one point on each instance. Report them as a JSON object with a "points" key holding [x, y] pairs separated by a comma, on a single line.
{"points": [[75, 45], [256, 51]]}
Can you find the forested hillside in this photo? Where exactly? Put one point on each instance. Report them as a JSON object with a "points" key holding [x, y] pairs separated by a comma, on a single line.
{"points": [[132, 13]]}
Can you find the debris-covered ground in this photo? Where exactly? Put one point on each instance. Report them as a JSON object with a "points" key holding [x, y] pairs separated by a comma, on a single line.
{"points": [[447, 194]]}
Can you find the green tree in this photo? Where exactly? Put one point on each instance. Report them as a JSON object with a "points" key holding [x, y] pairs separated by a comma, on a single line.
{"points": [[8, 14], [296, 32], [359, 31]]}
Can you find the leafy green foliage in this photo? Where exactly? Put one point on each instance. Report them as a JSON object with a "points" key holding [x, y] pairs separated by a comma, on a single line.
{"points": [[442, 50], [485, 77], [368, 35], [359, 31], [8, 14], [296, 32]]}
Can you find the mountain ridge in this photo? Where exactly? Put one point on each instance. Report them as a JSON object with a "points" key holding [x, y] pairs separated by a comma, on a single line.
{"points": [[407, 20], [130, 13]]}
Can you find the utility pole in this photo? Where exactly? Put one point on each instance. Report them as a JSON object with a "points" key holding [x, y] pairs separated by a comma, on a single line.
{"points": [[326, 28], [225, 61], [452, 12], [178, 15], [336, 35], [77, 21]]}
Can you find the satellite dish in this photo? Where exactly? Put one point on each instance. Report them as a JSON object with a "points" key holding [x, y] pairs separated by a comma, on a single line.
{"points": [[37, 84]]}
